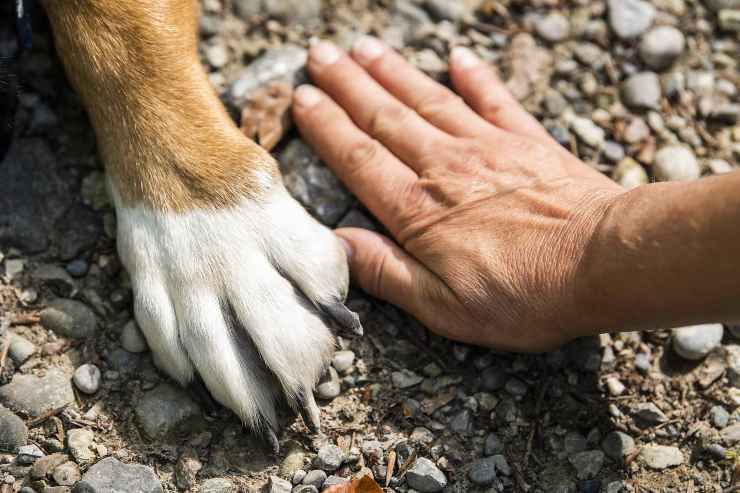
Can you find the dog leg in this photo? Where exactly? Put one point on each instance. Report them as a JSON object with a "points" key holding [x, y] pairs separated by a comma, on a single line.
{"points": [[230, 275]]}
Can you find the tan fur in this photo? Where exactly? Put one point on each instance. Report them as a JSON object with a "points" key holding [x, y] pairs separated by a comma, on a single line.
{"points": [[163, 134]]}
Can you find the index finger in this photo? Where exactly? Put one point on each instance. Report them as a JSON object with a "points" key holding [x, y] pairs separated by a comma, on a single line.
{"points": [[377, 177]]}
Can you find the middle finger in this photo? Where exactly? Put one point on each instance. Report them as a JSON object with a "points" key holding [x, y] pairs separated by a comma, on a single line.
{"points": [[373, 109]]}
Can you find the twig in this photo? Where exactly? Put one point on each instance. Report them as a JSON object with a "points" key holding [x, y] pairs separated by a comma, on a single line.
{"points": [[536, 424], [24, 319], [4, 352], [48, 414], [391, 467]]}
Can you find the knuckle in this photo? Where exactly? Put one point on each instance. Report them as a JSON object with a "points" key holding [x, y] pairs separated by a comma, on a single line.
{"points": [[431, 106], [387, 119], [491, 107], [358, 154]]}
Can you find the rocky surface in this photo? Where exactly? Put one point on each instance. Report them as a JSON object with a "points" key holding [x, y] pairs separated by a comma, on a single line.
{"points": [[641, 90]]}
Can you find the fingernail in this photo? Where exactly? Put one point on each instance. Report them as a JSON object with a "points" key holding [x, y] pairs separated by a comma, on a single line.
{"points": [[367, 48], [347, 247], [324, 53], [307, 96], [464, 58]]}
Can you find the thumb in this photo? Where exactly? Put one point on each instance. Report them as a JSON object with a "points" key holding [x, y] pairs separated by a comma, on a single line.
{"points": [[384, 270]]}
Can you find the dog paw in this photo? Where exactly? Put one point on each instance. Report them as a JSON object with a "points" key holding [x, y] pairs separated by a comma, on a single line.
{"points": [[239, 297]]}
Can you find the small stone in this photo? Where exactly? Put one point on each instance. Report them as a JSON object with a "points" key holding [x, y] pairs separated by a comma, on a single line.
{"points": [[329, 458], [726, 114], [66, 474], [34, 395], [305, 488], [618, 445], [613, 152], [422, 436], [661, 457], [87, 378], [695, 342], [278, 485], [615, 386], [718, 5], [630, 18], [329, 386], [587, 464], [69, 318], [446, 10], [132, 339], [642, 362], [676, 163], [80, 442], [293, 11], [719, 416], [732, 358], [630, 174], [28, 454], [110, 475], [426, 477], [493, 445], [217, 55], [315, 478], [20, 349], [483, 472], [293, 460], [166, 409], [217, 485], [405, 378], [553, 27], [335, 481], [44, 466], [55, 278], [701, 82], [516, 387], [123, 361], [729, 20], [343, 360], [187, 468], [373, 450], [285, 63], [649, 414], [720, 167], [637, 131], [642, 91], [298, 476], [14, 267], [460, 423], [731, 434], [660, 47], [77, 268], [588, 131], [574, 443]]}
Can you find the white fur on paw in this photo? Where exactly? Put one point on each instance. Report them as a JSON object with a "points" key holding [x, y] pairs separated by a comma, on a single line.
{"points": [[232, 295]]}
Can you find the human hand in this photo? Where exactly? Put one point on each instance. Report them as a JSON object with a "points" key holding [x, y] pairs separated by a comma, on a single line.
{"points": [[490, 216]]}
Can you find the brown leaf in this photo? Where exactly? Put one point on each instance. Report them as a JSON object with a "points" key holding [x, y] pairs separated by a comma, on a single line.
{"points": [[365, 484], [266, 116]]}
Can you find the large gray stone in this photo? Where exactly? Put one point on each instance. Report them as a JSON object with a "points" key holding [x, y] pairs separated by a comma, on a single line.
{"points": [[34, 395], [13, 432], [69, 318], [112, 476], [426, 477], [695, 342], [167, 409]]}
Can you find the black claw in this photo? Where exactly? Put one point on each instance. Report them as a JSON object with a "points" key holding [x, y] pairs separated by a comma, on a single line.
{"points": [[271, 439], [346, 318], [310, 411], [203, 396]]}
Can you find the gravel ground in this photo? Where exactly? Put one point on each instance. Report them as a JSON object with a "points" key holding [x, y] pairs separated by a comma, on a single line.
{"points": [[641, 91]]}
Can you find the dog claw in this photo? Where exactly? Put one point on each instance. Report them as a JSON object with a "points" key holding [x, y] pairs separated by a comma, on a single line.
{"points": [[271, 439], [346, 318], [310, 412]]}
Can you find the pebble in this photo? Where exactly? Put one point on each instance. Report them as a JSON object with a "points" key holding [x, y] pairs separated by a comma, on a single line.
{"points": [[731, 434], [334, 481], [636, 131], [132, 340], [630, 18], [588, 131], [732, 358], [305, 488], [725, 114], [729, 20], [87, 378], [661, 457], [649, 414], [111, 475], [69, 318], [718, 5], [166, 409], [461, 422], [446, 10], [123, 361], [553, 27], [298, 476], [405, 379], [315, 478], [329, 386], [587, 464], [615, 386], [285, 63], [34, 395], [424, 476], [483, 471], [695, 342], [676, 163], [20, 349], [642, 362], [493, 378], [516, 387], [217, 485], [719, 417], [661, 46], [329, 458], [613, 152], [642, 91], [13, 431], [630, 174], [28, 454], [343, 360], [618, 445], [493, 445], [77, 267], [573, 443], [422, 436], [217, 55], [80, 443], [66, 474], [278, 485]]}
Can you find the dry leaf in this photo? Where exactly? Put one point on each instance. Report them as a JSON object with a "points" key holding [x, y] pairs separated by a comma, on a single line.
{"points": [[266, 116], [366, 484]]}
